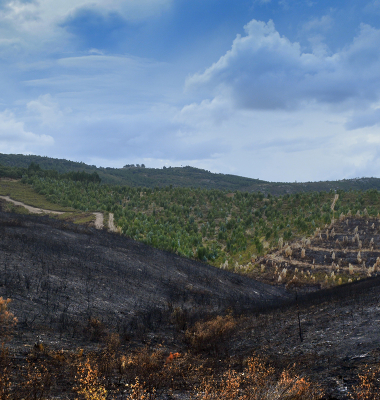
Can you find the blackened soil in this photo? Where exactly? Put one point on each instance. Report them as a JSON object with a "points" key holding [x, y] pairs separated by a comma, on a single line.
{"points": [[59, 274]]}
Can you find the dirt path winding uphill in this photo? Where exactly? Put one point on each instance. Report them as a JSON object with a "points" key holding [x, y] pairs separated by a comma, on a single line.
{"points": [[33, 210], [111, 223], [99, 220], [99, 217]]}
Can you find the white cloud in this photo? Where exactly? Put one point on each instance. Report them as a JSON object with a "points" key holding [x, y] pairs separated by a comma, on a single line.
{"points": [[320, 24], [47, 110], [14, 138], [211, 112], [34, 26], [264, 70], [43, 13]]}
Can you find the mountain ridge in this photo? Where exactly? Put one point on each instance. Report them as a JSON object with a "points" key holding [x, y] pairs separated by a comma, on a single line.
{"points": [[187, 177]]}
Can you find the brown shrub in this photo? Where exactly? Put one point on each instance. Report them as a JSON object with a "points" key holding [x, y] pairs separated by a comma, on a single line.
{"points": [[89, 382], [5, 374], [145, 363], [138, 392], [95, 330], [108, 357], [259, 381], [7, 319], [368, 387], [36, 380], [211, 335]]}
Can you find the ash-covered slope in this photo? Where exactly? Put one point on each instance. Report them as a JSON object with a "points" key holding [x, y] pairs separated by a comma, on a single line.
{"points": [[59, 274]]}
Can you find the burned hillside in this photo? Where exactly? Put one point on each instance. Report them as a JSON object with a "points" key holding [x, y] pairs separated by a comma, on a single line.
{"points": [[344, 251], [59, 275]]}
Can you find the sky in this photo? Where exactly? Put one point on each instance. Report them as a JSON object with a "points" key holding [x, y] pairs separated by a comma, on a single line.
{"points": [[283, 90]]}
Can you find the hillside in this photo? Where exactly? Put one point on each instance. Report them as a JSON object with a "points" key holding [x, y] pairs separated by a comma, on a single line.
{"points": [[189, 177], [346, 250], [228, 230], [98, 305], [88, 272]]}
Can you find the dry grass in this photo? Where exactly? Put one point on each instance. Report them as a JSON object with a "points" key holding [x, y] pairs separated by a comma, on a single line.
{"points": [[211, 335], [7, 318], [368, 387], [259, 381]]}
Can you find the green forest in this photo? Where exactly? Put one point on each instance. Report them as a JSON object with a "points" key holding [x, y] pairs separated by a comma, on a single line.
{"points": [[223, 228], [220, 227]]}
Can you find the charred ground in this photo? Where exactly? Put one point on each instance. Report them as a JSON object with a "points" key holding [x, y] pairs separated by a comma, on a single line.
{"points": [[59, 274], [72, 286]]}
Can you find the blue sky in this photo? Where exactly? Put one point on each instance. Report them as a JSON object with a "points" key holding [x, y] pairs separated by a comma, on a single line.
{"points": [[279, 90]]}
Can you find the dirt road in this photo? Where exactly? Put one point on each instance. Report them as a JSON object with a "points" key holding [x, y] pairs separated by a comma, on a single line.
{"points": [[111, 223], [99, 217], [99, 220], [31, 209]]}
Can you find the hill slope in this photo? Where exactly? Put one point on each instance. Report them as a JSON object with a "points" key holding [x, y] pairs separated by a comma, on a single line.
{"points": [[71, 286], [61, 274], [186, 177]]}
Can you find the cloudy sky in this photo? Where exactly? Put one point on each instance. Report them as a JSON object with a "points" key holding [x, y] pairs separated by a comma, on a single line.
{"points": [[278, 90]]}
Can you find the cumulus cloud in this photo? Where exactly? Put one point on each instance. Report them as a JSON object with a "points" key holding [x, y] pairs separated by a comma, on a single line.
{"points": [[215, 112], [15, 138], [47, 110], [264, 70]]}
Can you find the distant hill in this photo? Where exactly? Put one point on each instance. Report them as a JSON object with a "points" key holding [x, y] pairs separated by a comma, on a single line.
{"points": [[186, 177]]}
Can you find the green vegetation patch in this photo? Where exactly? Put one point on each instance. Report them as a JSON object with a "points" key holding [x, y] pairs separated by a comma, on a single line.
{"points": [[76, 217], [6, 206], [16, 190], [228, 230], [211, 225]]}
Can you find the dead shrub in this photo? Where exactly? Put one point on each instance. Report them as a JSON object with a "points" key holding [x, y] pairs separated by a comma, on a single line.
{"points": [[95, 330], [179, 318], [144, 363], [138, 392], [7, 319], [368, 387], [89, 382], [211, 335], [5, 374], [259, 381], [227, 388], [36, 380], [107, 359]]}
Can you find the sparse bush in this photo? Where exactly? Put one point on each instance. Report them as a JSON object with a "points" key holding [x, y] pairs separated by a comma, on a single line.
{"points": [[5, 374], [211, 335], [36, 380], [368, 387], [259, 381], [138, 392], [288, 251], [89, 383], [95, 330], [7, 319]]}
